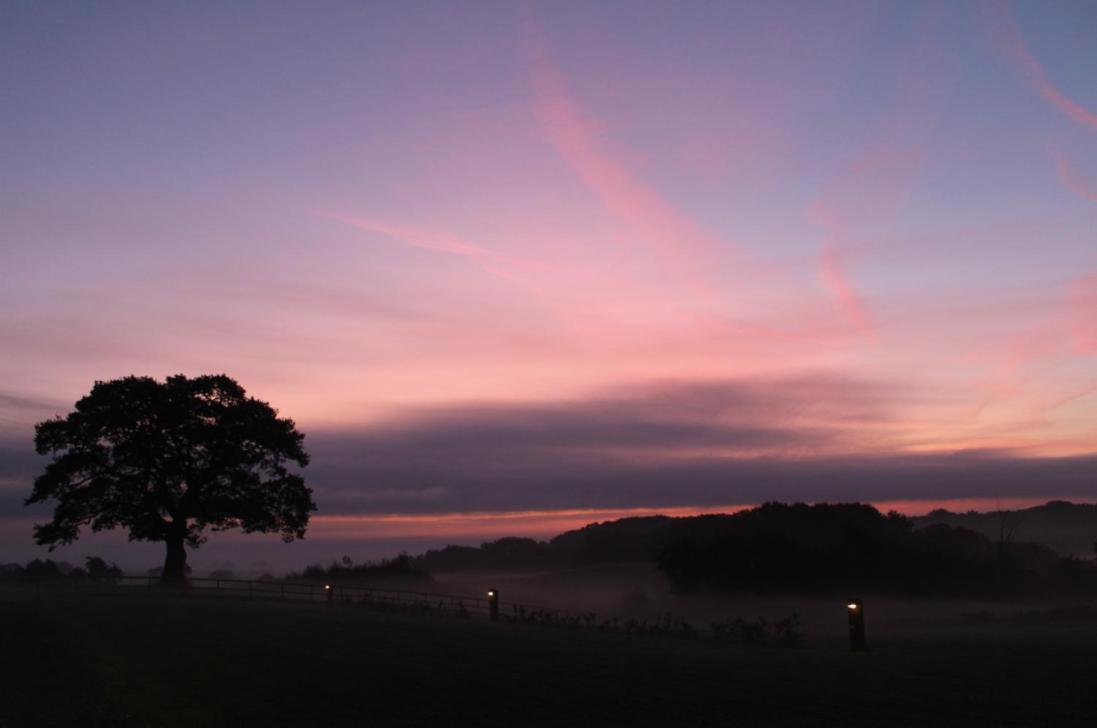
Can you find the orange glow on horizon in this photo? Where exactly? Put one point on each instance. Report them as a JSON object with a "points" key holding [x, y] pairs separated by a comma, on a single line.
{"points": [[548, 523]]}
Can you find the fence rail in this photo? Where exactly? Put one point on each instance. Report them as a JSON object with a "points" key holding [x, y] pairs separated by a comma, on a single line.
{"points": [[787, 632], [305, 591]]}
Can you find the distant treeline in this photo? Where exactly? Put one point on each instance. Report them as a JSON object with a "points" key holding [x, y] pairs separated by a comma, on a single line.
{"points": [[48, 569], [400, 569], [825, 548], [1069, 529]]}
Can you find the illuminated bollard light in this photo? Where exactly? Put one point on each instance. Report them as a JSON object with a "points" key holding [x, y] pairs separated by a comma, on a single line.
{"points": [[493, 604], [856, 609], [329, 591]]}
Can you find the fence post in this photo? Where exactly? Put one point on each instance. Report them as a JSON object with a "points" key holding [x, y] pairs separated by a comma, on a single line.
{"points": [[856, 609], [493, 604]]}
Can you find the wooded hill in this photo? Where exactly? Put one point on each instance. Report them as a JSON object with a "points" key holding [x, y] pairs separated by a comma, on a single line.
{"points": [[1069, 529], [800, 547]]}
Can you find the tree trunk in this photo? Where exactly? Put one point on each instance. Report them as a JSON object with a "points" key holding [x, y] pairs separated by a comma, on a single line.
{"points": [[175, 564]]}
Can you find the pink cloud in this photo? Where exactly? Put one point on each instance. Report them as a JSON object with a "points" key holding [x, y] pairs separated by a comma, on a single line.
{"points": [[1039, 368], [684, 249], [685, 266], [620, 319]]}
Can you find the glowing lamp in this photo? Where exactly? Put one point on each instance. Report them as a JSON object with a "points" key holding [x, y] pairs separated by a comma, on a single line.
{"points": [[856, 610], [493, 604], [330, 591]]}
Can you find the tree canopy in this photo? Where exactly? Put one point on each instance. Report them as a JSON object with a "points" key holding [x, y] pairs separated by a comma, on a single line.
{"points": [[170, 461]]}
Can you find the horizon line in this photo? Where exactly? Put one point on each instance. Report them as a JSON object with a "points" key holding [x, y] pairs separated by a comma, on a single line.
{"points": [[531, 523]]}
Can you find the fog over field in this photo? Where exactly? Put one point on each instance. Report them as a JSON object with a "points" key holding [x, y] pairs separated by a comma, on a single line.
{"points": [[641, 592]]}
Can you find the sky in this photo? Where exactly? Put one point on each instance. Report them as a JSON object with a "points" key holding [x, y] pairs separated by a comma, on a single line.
{"points": [[515, 267]]}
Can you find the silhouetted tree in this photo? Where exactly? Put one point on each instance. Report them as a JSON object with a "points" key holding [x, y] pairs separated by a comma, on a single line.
{"points": [[11, 573], [400, 569], [98, 569], [169, 460], [39, 570]]}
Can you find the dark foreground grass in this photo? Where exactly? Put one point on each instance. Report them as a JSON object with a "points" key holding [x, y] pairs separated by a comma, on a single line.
{"points": [[157, 661]]}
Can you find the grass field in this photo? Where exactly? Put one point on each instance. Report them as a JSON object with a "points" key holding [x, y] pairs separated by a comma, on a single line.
{"points": [[157, 661]]}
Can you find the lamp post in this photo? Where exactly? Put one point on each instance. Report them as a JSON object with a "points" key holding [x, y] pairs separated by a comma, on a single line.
{"points": [[329, 591], [493, 604], [856, 609]]}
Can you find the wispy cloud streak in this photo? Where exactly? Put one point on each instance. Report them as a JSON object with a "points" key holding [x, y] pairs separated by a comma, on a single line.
{"points": [[514, 269], [1083, 301], [645, 213], [1071, 179], [1010, 44], [879, 176]]}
